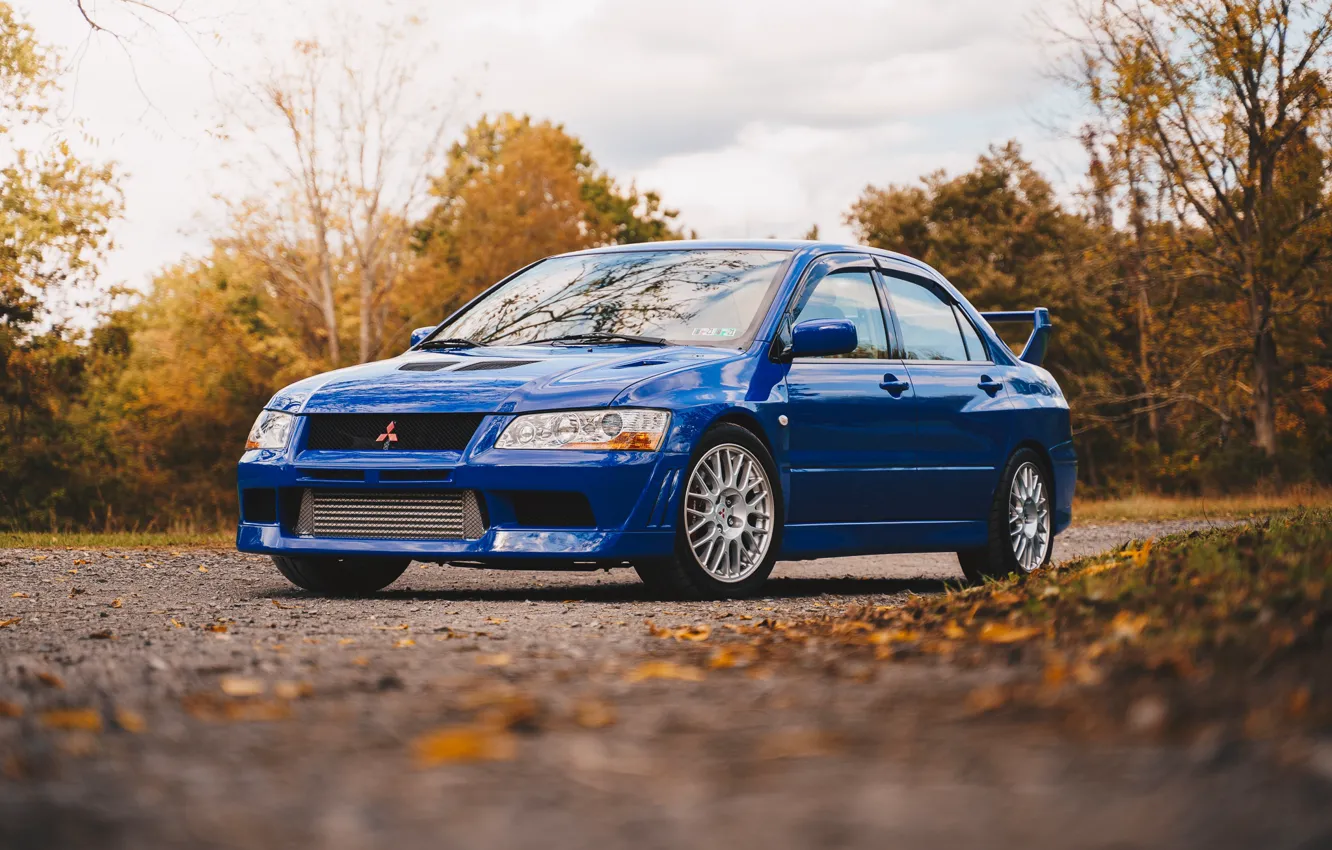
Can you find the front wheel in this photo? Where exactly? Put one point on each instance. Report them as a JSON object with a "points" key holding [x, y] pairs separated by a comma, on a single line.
{"points": [[729, 522], [1020, 540], [341, 576]]}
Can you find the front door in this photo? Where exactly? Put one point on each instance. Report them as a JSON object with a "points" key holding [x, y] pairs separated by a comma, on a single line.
{"points": [[852, 420], [963, 403]]}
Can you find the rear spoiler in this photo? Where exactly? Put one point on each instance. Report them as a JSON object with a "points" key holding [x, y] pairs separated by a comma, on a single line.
{"points": [[1039, 341]]}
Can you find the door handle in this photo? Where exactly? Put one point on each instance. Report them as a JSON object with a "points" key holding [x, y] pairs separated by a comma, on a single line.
{"points": [[894, 387], [990, 385]]}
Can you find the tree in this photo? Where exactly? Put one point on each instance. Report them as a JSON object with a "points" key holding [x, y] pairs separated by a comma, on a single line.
{"points": [[1222, 106], [516, 190]]}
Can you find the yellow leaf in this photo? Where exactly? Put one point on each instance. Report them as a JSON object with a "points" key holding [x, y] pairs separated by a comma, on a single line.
{"points": [[594, 714], [18, 595], [463, 744], [220, 628], [987, 698], [1127, 626], [72, 571], [728, 657], [1004, 633], [496, 621], [51, 680], [292, 690], [401, 627], [894, 636], [691, 633], [13, 621], [498, 659], [953, 631], [361, 661], [277, 604], [241, 686], [202, 568], [82, 719], [799, 743], [10, 709], [177, 623], [346, 641], [117, 602], [664, 670], [130, 721], [404, 643]]}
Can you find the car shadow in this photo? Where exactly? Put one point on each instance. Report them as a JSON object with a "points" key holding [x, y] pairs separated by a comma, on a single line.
{"points": [[633, 591]]}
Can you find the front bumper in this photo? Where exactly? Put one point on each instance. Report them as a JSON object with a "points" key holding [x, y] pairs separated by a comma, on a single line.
{"points": [[632, 498]]}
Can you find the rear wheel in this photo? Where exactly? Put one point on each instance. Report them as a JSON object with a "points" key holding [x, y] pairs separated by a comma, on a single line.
{"points": [[341, 576], [1020, 539], [729, 522]]}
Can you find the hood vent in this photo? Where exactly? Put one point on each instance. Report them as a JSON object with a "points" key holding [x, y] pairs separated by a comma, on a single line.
{"points": [[640, 363], [491, 365], [426, 366]]}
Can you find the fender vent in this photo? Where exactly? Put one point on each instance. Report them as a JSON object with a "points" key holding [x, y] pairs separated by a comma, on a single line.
{"points": [[426, 367], [491, 365]]}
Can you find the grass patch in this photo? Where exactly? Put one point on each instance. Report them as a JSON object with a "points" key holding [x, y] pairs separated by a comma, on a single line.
{"points": [[1230, 626], [116, 540], [1141, 508]]}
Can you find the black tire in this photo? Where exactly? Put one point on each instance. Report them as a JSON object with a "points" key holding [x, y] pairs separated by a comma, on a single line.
{"points": [[997, 559], [681, 576], [341, 576]]}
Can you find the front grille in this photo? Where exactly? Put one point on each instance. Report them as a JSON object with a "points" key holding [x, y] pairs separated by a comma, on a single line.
{"points": [[414, 431], [453, 515]]}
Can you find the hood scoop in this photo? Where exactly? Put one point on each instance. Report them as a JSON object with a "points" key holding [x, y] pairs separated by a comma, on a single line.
{"points": [[427, 366], [638, 364], [492, 365]]}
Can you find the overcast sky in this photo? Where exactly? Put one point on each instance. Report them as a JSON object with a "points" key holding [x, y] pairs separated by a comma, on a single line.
{"points": [[751, 117]]}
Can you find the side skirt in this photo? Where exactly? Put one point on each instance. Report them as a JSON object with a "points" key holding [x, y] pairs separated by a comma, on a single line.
{"points": [[832, 540]]}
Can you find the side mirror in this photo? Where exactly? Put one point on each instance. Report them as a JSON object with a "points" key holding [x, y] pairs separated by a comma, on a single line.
{"points": [[822, 337], [420, 334]]}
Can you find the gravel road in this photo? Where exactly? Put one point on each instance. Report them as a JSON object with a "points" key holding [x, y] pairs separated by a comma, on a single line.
{"points": [[193, 698]]}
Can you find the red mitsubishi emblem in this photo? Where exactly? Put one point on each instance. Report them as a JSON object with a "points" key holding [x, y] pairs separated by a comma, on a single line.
{"points": [[388, 438]]}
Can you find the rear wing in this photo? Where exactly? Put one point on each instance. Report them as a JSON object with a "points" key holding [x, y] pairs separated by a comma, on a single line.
{"points": [[1039, 341]]}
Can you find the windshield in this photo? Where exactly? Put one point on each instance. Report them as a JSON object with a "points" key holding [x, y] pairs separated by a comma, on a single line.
{"points": [[703, 297]]}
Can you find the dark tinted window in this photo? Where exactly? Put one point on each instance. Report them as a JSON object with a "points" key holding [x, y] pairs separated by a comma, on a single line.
{"points": [[929, 330], [975, 348], [705, 297], [850, 295]]}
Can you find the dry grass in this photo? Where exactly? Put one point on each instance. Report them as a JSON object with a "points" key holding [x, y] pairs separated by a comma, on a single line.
{"points": [[116, 540], [1144, 508]]}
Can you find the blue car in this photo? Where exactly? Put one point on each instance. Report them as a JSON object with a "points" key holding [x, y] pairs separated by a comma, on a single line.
{"points": [[693, 410]]}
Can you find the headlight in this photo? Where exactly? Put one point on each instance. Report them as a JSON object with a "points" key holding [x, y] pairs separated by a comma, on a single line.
{"points": [[271, 430], [608, 430]]}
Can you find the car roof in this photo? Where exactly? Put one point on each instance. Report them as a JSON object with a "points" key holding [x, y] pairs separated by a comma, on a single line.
{"points": [[814, 246]]}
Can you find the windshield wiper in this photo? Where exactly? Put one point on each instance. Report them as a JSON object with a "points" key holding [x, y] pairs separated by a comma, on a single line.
{"points": [[599, 336], [449, 342]]}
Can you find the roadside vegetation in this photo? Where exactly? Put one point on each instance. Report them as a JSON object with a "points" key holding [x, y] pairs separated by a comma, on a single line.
{"points": [[1154, 507], [1225, 631]]}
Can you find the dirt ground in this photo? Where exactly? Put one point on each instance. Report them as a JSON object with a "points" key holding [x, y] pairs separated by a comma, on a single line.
{"points": [[155, 698]]}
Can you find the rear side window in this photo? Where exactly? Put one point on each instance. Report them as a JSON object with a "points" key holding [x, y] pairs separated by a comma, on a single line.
{"points": [[975, 348], [929, 328], [851, 296]]}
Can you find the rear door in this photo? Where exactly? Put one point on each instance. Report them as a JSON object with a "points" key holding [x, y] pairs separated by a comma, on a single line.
{"points": [[964, 407], [852, 418]]}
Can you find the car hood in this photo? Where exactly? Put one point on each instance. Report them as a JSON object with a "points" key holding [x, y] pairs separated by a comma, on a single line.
{"points": [[490, 380]]}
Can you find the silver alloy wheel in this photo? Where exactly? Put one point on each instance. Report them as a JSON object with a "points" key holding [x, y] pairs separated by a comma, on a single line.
{"points": [[1029, 517], [728, 513]]}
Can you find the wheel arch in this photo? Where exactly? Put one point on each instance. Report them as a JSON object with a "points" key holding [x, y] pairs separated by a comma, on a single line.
{"points": [[1044, 454], [746, 419]]}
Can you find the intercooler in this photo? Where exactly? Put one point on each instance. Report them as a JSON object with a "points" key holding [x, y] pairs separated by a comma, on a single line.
{"points": [[454, 515]]}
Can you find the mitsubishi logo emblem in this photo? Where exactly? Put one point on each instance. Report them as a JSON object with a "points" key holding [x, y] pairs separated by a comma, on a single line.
{"points": [[388, 438]]}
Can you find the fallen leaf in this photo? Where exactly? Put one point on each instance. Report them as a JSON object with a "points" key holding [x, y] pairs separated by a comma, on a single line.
{"points": [[177, 623], [1004, 633], [18, 595], [594, 714], [401, 627], [346, 641], [953, 631], [14, 621], [404, 643], [664, 670], [76, 591], [202, 568], [798, 743], [41, 557], [1127, 626], [496, 621], [10, 709], [498, 659], [130, 721], [51, 680], [217, 709], [894, 636], [468, 743], [117, 602], [83, 719], [292, 690], [72, 571], [728, 657], [692, 633], [277, 604], [220, 628], [104, 634], [987, 698], [361, 661], [240, 686]]}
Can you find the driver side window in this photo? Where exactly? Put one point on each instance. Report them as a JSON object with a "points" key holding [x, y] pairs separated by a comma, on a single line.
{"points": [[850, 295]]}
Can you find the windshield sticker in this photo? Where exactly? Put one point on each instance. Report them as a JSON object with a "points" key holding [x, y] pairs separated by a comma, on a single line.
{"points": [[714, 331]]}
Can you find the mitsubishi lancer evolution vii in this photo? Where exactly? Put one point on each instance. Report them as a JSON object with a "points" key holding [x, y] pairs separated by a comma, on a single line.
{"points": [[692, 410]]}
